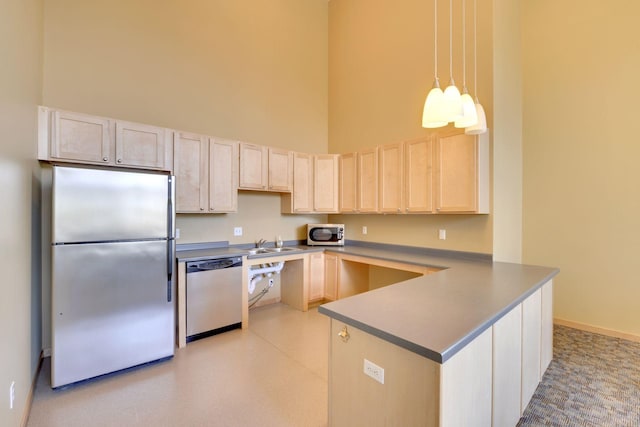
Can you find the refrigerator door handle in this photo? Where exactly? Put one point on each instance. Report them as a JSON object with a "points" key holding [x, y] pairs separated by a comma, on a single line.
{"points": [[170, 234]]}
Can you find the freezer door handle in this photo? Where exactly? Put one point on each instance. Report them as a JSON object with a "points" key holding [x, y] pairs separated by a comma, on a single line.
{"points": [[171, 211]]}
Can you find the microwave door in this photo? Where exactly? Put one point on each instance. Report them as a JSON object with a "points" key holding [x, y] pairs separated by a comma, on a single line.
{"points": [[322, 235]]}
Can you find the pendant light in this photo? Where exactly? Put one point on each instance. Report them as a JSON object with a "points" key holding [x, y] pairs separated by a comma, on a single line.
{"points": [[432, 116], [452, 104], [469, 115], [481, 125]]}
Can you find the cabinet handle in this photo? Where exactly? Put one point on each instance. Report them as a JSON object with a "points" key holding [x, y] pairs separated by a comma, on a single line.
{"points": [[399, 210], [344, 335], [201, 209], [105, 159], [119, 160]]}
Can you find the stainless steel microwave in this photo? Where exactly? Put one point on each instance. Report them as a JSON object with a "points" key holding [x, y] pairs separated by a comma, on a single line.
{"points": [[325, 234]]}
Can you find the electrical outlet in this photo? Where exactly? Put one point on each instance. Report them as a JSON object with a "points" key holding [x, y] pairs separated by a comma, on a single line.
{"points": [[237, 231], [12, 394], [374, 371], [442, 234], [364, 229]]}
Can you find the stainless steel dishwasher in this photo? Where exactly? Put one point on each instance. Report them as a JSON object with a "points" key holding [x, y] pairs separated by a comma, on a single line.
{"points": [[214, 296]]}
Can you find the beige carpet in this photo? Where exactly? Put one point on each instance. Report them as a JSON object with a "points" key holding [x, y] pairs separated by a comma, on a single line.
{"points": [[593, 380]]}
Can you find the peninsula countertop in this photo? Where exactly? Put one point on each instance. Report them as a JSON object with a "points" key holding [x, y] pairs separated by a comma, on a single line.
{"points": [[438, 314]]}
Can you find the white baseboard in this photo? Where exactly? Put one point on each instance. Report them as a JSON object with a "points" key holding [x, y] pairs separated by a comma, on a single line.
{"points": [[597, 330]]}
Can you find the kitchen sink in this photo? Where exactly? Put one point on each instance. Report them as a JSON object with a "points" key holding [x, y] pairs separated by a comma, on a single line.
{"points": [[256, 251], [283, 249]]}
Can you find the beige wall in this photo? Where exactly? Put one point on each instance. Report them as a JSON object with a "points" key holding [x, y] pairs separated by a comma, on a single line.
{"points": [[381, 61], [254, 71], [20, 88], [507, 131], [581, 151]]}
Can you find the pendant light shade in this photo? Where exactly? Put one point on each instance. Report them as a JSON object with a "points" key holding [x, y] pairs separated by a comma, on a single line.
{"points": [[452, 105], [432, 113], [481, 125], [469, 112]]}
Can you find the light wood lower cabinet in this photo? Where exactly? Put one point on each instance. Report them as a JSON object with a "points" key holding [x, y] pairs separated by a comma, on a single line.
{"points": [[330, 276], [316, 276], [507, 368]]}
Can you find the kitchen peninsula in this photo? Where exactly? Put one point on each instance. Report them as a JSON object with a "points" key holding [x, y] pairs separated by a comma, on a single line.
{"points": [[467, 345]]}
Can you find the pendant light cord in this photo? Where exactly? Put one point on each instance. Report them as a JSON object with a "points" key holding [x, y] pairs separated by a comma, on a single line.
{"points": [[475, 49], [464, 48], [435, 37], [451, 39]]}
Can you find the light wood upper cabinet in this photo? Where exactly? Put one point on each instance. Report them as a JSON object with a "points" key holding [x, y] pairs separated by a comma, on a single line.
{"points": [[301, 198], [206, 174], [223, 175], [348, 182], [81, 138], [191, 153], [77, 137], [254, 163], [325, 183], [368, 181], [265, 169], [391, 169], [461, 174], [280, 170], [145, 146], [418, 183], [315, 184]]}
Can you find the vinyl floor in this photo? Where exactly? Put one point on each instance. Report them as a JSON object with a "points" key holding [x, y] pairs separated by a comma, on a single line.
{"points": [[275, 374]]}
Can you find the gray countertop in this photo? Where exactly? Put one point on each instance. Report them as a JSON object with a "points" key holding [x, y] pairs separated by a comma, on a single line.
{"points": [[202, 251], [434, 315], [438, 314]]}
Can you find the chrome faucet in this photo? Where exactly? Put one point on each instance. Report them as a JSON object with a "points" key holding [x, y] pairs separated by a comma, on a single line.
{"points": [[260, 243]]}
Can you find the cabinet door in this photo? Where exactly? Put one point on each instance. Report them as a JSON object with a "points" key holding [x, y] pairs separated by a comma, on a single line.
{"points": [[325, 183], [280, 170], [391, 178], [465, 385], [531, 327], [316, 276], [457, 173], [79, 137], [368, 181], [419, 176], [253, 166], [507, 368], [191, 170], [546, 337], [348, 182], [302, 183], [330, 276], [223, 175], [142, 146]]}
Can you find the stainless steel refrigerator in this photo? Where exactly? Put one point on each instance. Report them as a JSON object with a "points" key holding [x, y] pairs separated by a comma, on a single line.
{"points": [[112, 258]]}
